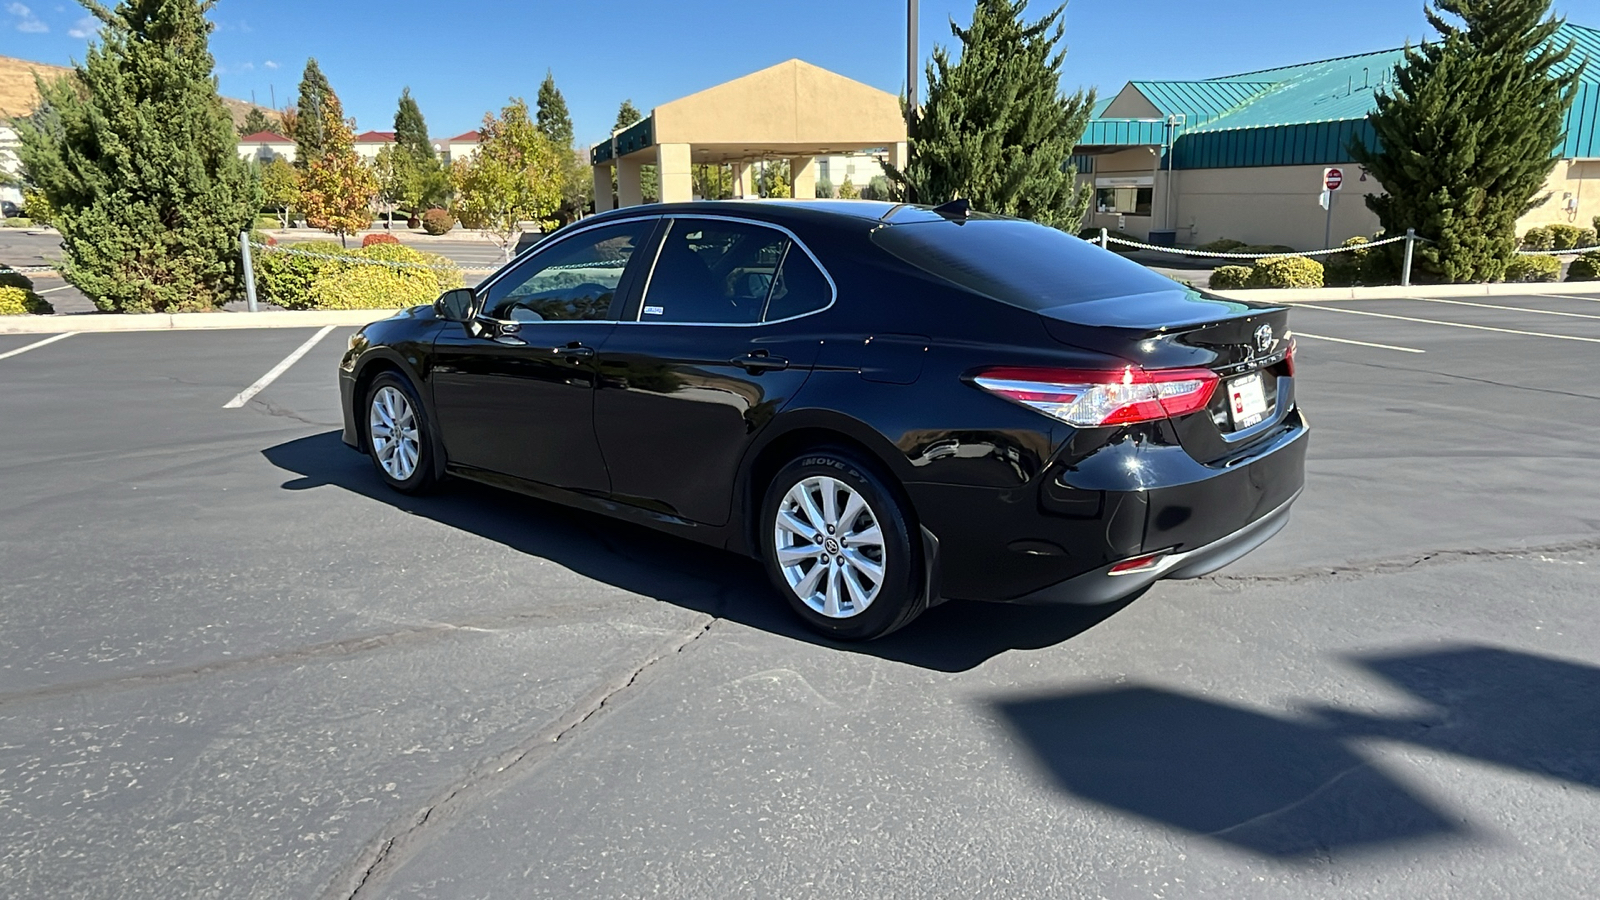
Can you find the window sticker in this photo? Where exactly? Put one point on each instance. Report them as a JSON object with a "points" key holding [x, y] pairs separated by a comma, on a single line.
{"points": [[655, 310]]}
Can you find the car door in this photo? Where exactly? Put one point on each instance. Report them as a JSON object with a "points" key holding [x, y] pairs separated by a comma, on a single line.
{"points": [[721, 341], [514, 388]]}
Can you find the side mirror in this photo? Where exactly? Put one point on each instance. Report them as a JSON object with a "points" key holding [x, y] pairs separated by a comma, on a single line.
{"points": [[456, 305]]}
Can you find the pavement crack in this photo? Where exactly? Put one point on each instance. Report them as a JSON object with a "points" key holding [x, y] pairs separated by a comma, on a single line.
{"points": [[273, 409], [1398, 565], [1294, 804], [1488, 381], [388, 853]]}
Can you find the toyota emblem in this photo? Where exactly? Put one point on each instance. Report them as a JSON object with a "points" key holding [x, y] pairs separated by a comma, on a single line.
{"points": [[1264, 338]]}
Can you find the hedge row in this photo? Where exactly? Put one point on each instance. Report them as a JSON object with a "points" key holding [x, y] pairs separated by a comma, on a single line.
{"points": [[1273, 272], [17, 301], [352, 281]]}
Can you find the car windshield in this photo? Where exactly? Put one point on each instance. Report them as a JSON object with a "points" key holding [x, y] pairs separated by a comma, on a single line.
{"points": [[1017, 262]]}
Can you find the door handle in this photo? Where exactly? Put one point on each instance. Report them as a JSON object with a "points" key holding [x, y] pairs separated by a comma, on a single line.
{"points": [[575, 352], [760, 361]]}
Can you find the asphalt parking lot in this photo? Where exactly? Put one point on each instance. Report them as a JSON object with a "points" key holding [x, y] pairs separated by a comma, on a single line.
{"points": [[233, 665]]}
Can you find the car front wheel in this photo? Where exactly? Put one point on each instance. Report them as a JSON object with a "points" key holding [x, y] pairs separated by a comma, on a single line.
{"points": [[397, 434], [837, 544]]}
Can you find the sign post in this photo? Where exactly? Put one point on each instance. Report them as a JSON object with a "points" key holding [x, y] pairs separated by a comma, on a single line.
{"points": [[1332, 181]]}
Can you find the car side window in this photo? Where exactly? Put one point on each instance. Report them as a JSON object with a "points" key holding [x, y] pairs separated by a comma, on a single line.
{"points": [[574, 280], [800, 288], [713, 272]]}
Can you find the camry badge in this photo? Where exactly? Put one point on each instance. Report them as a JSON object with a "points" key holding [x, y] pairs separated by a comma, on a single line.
{"points": [[1264, 338]]}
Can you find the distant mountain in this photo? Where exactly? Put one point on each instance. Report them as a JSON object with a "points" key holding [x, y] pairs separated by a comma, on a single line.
{"points": [[18, 96]]}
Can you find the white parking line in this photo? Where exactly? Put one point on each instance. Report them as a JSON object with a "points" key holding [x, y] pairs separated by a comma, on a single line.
{"points": [[1362, 312], [1573, 297], [272, 375], [36, 344], [53, 290], [1526, 309], [1318, 337]]}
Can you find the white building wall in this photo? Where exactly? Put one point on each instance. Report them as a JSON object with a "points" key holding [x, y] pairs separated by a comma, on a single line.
{"points": [[860, 168]]}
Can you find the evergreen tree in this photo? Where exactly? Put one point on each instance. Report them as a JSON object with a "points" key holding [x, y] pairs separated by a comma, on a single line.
{"points": [[627, 114], [137, 156], [649, 183], [410, 130], [996, 128], [254, 121], [553, 118], [309, 137], [1469, 132]]}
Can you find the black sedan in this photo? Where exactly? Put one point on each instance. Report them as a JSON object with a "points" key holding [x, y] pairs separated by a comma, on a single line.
{"points": [[890, 405]]}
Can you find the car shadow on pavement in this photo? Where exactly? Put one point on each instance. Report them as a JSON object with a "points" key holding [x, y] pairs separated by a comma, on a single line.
{"points": [[1299, 787], [952, 637]]}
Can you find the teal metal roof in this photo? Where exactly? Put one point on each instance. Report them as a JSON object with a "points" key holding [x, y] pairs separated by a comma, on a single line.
{"points": [[1201, 101], [1333, 90], [1124, 133]]}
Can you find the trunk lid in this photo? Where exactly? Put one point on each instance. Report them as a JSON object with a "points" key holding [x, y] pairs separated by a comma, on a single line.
{"points": [[1240, 341]]}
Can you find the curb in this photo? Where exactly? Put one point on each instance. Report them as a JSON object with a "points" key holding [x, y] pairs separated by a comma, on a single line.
{"points": [[1306, 295], [92, 323]]}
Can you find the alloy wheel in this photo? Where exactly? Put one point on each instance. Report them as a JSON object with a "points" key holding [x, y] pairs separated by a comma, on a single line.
{"points": [[830, 548], [393, 426]]}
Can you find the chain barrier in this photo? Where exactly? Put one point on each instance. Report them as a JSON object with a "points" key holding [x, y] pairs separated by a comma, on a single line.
{"points": [[1576, 251], [29, 270], [356, 260], [1201, 253]]}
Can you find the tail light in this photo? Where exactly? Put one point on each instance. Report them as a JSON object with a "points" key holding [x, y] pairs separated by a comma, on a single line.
{"points": [[1288, 356], [1093, 398]]}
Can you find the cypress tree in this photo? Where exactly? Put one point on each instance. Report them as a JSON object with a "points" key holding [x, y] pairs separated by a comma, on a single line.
{"points": [[996, 128], [137, 155], [410, 130], [553, 118], [254, 121], [1468, 134], [309, 137]]}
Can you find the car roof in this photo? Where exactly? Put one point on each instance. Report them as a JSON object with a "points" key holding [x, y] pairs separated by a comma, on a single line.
{"points": [[782, 211]]}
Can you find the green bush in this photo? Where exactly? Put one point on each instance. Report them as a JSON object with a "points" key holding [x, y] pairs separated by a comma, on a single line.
{"points": [[1263, 248], [268, 222], [16, 301], [19, 222], [1286, 272], [1585, 267], [438, 221], [1541, 239], [1346, 269], [1568, 237], [355, 286], [287, 280], [1230, 278], [9, 278], [1526, 269], [1223, 245]]}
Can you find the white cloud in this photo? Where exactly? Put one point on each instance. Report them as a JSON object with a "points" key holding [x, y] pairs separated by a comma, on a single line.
{"points": [[84, 28], [270, 64], [26, 21]]}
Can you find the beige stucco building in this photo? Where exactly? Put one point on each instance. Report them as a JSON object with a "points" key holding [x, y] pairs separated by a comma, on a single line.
{"points": [[794, 111], [1244, 156]]}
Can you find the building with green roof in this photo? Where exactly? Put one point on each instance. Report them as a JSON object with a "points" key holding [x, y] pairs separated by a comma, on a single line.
{"points": [[1243, 156]]}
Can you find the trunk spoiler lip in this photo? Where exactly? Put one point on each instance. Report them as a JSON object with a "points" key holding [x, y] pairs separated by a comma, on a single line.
{"points": [[1159, 312]]}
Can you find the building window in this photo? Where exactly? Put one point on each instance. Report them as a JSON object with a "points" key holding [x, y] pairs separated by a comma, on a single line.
{"points": [[1131, 201]]}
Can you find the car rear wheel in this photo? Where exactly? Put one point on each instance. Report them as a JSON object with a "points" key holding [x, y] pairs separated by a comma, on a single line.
{"points": [[837, 544], [397, 435]]}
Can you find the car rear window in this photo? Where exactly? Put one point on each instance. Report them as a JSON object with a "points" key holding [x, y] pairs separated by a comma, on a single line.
{"points": [[1017, 262]]}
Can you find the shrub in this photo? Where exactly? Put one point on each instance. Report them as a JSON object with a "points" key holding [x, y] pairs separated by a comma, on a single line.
{"points": [[1525, 269], [438, 221], [288, 280], [1349, 268], [263, 222], [413, 222], [1541, 239], [9, 278], [379, 238], [1568, 237], [18, 222], [1230, 278], [16, 301], [1223, 245], [1263, 248], [36, 207], [1585, 267], [355, 286], [1286, 272]]}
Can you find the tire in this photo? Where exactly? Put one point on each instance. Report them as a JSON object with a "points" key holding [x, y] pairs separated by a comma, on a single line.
{"points": [[392, 407], [851, 593]]}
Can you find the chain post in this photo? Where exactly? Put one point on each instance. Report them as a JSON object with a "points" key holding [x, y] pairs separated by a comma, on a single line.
{"points": [[1105, 239], [1411, 243], [249, 272]]}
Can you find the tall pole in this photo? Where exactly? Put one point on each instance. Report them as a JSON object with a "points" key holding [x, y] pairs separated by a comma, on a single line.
{"points": [[911, 57]]}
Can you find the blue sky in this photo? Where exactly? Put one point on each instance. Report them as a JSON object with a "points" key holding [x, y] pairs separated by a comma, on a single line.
{"points": [[464, 57]]}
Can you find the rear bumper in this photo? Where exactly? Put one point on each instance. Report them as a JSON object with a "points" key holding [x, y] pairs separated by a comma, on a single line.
{"points": [[1100, 586]]}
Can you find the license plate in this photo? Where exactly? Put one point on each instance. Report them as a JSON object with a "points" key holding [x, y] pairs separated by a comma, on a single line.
{"points": [[1247, 400]]}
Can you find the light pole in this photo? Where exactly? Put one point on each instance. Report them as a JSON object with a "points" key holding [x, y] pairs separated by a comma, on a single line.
{"points": [[911, 58]]}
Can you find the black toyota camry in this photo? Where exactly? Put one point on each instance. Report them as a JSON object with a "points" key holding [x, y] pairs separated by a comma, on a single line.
{"points": [[890, 405]]}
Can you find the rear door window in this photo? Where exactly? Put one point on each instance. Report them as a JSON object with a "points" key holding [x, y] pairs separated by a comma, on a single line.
{"points": [[800, 287], [711, 271]]}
